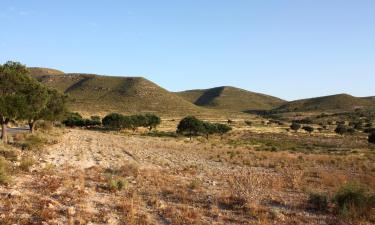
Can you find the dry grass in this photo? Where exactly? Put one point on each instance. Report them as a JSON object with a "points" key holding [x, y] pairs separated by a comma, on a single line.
{"points": [[167, 180]]}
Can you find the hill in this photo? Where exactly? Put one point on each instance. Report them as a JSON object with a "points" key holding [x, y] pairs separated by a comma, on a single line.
{"points": [[95, 94], [231, 99], [38, 71], [340, 102]]}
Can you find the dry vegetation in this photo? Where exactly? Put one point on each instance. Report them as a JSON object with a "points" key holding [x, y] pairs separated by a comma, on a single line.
{"points": [[257, 174]]}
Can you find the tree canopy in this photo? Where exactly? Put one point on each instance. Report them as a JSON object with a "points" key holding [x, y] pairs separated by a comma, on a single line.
{"points": [[24, 98]]}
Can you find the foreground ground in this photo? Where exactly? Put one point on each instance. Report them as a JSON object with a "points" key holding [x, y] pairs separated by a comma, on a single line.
{"points": [[94, 177]]}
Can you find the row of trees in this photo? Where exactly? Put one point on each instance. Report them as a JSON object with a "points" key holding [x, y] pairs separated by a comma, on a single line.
{"points": [[193, 127], [74, 119], [22, 98], [118, 121]]}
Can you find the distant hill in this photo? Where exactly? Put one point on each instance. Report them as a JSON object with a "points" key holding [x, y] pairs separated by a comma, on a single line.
{"points": [[340, 102], [37, 71], [95, 94], [231, 99]]}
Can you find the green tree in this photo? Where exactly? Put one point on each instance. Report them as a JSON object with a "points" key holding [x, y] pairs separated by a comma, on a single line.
{"points": [[14, 82], [209, 129], [152, 121], [138, 121], [113, 121], [190, 125], [43, 104], [222, 128], [295, 126]]}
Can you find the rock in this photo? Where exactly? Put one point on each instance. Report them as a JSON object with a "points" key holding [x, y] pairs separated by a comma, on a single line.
{"points": [[71, 211], [14, 193]]}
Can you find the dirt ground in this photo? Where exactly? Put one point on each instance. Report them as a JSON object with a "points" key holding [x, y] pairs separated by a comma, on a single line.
{"points": [[94, 177]]}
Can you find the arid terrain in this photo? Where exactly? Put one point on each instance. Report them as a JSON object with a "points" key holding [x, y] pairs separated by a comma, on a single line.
{"points": [[249, 176]]}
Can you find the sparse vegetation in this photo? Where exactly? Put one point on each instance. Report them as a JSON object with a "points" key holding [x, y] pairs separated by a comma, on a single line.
{"points": [[295, 126], [318, 202], [354, 201]]}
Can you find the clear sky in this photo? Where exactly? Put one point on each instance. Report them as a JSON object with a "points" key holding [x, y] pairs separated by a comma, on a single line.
{"points": [[288, 48]]}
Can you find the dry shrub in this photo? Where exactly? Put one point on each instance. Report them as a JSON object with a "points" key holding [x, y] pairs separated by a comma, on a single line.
{"points": [[4, 171], [26, 163], [355, 201], [44, 126]]}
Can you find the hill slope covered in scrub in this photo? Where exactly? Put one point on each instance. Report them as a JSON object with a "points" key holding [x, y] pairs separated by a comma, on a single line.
{"points": [[340, 102], [231, 98], [97, 94]]}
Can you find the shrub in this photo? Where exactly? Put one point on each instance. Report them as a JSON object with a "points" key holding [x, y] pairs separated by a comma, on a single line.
{"points": [[222, 128], [4, 168], [341, 129], [76, 120], [354, 201], [44, 126], [248, 123], [295, 126], [26, 164], [33, 142], [308, 129], [116, 184], [371, 138], [318, 202], [350, 130], [73, 119]]}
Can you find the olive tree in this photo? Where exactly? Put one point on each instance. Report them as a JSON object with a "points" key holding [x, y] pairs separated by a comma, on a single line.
{"points": [[209, 128], [190, 125], [222, 128], [152, 121], [14, 82]]}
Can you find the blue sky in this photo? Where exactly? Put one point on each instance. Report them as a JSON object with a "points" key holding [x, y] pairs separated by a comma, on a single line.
{"points": [[288, 48]]}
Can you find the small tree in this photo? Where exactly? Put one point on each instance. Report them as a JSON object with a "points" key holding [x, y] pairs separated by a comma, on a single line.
{"points": [[73, 119], [341, 129], [114, 121], [152, 121], [209, 128], [190, 125], [138, 121], [13, 85], [308, 129], [295, 126], [371, 138], [44, 104], [222, 128]]}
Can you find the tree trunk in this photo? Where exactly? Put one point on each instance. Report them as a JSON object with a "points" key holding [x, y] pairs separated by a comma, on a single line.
{"points": [[4, 137], [32, 127]]}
